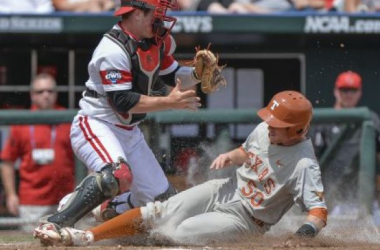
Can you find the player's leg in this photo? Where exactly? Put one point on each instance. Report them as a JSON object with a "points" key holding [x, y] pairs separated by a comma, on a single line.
{"points": [[149, 180], [227, 222], [126, 224], [168, 214], [186, 204], [98, 147]]}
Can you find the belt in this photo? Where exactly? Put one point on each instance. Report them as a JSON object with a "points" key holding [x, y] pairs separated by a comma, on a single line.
{"points": [[258, 222], [91, 93], [125, 127]]}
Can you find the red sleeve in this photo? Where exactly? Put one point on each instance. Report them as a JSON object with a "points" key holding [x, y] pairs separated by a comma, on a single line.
{"points": [[12, 149], [169, 45], [166, 62], [169, 48]]}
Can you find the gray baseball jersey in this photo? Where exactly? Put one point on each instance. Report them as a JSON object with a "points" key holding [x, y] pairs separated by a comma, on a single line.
{"points": [[263, 190], [275, 177]]}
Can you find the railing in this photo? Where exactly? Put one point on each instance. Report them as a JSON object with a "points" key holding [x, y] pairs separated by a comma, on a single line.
{"points": [[359, 116]]}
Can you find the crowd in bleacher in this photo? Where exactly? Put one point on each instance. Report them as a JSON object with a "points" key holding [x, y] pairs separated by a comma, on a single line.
{"points": [[211, 6]]}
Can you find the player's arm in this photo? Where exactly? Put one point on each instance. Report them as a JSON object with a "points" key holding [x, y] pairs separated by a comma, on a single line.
{"points": [[185, 74], [128, 101], [235, 157], [315, 221], [171, 71], [309, 196], [124, 100]]}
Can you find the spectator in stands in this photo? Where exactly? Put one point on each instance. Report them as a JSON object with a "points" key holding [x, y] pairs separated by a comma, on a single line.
{"points": [[361, 5], [189, 5], [318, 5], [244, 6], [259, 6], [340, 174], [26, 6], [84, 5], [46, 166]]}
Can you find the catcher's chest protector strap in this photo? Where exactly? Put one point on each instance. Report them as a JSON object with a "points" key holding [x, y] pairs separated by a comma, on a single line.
{"points": [[140, 81], [130, 46]]}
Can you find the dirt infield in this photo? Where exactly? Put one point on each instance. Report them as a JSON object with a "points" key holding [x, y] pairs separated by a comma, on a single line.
{"points": [[261, 243], [340, 234]]}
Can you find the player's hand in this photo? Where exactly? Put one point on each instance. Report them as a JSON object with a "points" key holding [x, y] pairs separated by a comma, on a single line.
{"points": [[222, 161], [183, 99], [13, 204]]}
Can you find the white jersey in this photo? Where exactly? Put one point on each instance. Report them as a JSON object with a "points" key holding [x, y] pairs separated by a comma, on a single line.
{"points": [[110, 69], [269, 188]]}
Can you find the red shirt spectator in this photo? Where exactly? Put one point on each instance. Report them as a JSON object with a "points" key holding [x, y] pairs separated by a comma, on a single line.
{"points": [[41, 184], [46, 160]]}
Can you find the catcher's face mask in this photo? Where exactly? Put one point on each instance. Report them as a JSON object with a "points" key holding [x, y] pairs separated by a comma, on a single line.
{"points": [[162, 24]]}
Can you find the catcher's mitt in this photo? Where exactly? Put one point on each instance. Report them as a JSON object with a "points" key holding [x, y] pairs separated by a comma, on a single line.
{"points": [[208, 71]]}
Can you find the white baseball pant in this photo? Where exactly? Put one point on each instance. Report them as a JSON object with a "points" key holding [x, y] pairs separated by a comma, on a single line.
{"points": [[96, 142]]}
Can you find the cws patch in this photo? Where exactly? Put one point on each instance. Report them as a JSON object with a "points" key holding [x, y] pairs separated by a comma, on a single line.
{"points": [[115, 76]]}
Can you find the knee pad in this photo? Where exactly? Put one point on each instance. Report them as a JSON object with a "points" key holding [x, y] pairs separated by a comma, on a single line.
{"points": [[167, 194], [116, 178], [123, 174]]}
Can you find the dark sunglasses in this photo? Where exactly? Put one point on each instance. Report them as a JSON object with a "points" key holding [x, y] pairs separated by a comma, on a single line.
{"points": [[50, 91], [348, 90]]}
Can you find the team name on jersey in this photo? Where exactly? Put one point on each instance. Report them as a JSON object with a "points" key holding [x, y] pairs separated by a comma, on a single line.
{"points": [[255, 191]]}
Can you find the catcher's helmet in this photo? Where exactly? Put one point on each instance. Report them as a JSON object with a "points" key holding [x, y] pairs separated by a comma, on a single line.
{"points": [[162, 24], [288, 109]]}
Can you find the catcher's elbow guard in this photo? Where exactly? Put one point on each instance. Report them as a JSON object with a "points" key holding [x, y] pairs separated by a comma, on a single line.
{"points": [[187, 77], [307, 230]]}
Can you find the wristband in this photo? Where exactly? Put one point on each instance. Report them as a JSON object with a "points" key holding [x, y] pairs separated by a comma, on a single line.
{"points": [[307, 230], [187, 76], [195, 76]]}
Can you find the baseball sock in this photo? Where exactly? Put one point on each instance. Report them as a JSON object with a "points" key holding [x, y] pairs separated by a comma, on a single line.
{"points": [[126, 224]]}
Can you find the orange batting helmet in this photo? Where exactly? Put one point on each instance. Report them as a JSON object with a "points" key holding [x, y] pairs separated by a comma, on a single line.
{"points": [[288, 109]]}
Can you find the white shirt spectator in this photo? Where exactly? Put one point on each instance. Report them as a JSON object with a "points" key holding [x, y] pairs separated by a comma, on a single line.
{"points": [[26, 6]]}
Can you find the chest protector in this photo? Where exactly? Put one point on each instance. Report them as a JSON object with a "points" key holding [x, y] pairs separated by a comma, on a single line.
{"points": [[145, 59]]}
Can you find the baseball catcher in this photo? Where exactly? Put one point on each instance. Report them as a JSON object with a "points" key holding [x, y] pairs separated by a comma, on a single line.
{"points": [[127, 68], [207, 70]]}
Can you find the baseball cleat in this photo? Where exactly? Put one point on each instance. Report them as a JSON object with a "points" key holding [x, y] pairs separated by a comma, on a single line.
{"points": [[48, 234], [74, 237]]}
